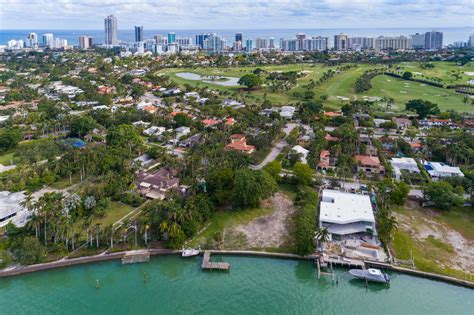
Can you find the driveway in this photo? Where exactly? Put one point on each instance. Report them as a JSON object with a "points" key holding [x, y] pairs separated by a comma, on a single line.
{"points": [[276, 149]]}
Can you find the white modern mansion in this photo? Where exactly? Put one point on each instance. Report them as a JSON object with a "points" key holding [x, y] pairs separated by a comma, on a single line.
{"points": [[346, 215], [11, 209], [440, 169]]}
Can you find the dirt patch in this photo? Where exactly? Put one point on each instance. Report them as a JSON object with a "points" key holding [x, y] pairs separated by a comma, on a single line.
{"points": [[421, 228], [270, 230]]}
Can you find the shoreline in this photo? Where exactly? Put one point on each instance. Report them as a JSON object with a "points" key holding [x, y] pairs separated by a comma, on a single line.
{"points": [[163, 252]]}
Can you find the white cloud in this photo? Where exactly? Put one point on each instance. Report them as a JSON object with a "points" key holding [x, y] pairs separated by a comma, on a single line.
{"points": [[89, 14]]}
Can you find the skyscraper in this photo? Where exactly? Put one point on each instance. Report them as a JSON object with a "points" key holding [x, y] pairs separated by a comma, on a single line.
{"points": [[110, 24], [200, 38], [360, 43], [271, 43], [418, 40], [340, 42], [33, 39], [138, 33], [238, 37], [392, 43], [261, 43], [433, 40], [84, 42], [300, 37], [214, 43], [48, 40], [171, 37], [249, 45], [470, 42]]}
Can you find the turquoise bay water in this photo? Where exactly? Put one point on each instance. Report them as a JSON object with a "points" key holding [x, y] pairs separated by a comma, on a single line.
{"points": [[253, 286]]}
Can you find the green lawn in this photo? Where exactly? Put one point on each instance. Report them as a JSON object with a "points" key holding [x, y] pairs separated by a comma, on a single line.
{"points": [[6, 158], [402, 91], [443, 70], [113, 213], [65, 183], [342, 85]]}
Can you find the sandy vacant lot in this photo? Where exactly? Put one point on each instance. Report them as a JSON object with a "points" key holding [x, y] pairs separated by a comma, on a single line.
{"points": [[461, 258], [270, 230]]}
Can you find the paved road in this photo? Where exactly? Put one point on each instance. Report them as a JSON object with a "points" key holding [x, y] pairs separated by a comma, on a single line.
{"points": [[272, 155], [276, 149]]}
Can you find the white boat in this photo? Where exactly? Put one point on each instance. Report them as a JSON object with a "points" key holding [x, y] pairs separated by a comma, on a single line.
{"points": [[190, 252], [371, 274]]}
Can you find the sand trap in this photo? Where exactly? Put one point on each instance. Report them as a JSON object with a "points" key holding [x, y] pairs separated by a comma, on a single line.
{"points": [[471, 74], [403, 92], [389, 80], [343, 98], [422, 84]]}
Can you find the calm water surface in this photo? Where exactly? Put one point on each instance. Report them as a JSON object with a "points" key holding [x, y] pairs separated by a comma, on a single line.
{"points": [[253, 286], [229, 81]]}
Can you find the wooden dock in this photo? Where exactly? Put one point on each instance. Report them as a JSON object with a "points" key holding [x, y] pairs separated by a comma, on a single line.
{"points": [[207, 264], [137, 256], [343, 262]]}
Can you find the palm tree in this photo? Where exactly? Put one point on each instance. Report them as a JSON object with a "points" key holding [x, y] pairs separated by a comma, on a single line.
{"points": [[322, 235]]}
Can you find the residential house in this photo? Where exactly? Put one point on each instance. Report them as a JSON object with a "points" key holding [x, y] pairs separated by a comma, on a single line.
{"points": [[144, 160], [154, 131], [11, 209], [438, 170], [182, 131], [403, 123], [287, 112], [232, 103], [326, 160], [155, 185], [369, 164], [332, 114], [346, 215], [404, 163], [210, 123], [238, 142], [297, 149], [191, 141], [330, 138]]}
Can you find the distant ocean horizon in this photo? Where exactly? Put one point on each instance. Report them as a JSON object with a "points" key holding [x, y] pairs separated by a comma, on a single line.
{"points": [[450, 34]]}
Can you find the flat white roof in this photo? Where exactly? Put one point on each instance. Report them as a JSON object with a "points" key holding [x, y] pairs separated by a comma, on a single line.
{"points": [[343, 208], [445, 168]]}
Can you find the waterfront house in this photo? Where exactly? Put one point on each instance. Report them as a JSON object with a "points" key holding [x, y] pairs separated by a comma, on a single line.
{"points": [[346, 215], [11, 209], [155, 185]]}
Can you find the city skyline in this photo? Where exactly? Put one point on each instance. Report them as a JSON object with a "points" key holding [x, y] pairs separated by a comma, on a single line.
{"points": [[244, 14]]}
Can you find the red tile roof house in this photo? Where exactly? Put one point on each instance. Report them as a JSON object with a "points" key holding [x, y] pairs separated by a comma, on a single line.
{"points": [[210, 122], [325, 160], [238, 142], [330, 138], [230, 121], [155, 185], [369, 164]]}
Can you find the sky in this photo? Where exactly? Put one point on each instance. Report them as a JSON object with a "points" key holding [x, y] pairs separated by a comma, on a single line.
{"points": [[231, 14]]}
